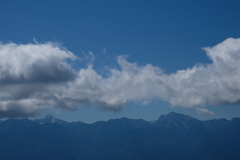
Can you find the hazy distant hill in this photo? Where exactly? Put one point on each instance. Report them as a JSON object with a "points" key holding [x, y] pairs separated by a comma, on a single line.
{"points": [[172, 137]]}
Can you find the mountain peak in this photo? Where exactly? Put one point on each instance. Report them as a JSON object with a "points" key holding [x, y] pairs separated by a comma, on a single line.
{"points": [[50, 119], [174, 114], [177, 120], [177, 116]]}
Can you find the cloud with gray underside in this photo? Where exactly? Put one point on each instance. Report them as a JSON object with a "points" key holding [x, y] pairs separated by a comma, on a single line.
{"points": [[37, 76]]}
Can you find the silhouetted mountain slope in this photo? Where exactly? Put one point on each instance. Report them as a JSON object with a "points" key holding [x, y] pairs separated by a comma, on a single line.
{"points": [[172, 136]]}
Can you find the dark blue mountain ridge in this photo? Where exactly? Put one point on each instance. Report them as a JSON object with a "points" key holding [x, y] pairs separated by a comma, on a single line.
{"points": [[172, 136]]}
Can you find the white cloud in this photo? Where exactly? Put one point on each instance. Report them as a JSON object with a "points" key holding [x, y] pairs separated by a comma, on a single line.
{"points": [[35, 76], [34, 63], [204, 111], [216, 83], [26, 73]]}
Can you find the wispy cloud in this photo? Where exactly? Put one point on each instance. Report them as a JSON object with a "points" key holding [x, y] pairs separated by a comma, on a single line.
{"points": [[204, 111], [36, 76], [104, 50]]}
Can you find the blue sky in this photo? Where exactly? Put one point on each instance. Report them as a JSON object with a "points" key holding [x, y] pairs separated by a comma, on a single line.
{"points": [[168, 35]]}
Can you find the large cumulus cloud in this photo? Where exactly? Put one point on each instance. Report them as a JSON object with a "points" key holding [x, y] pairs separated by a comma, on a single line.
{"points": [[217, 83], [27, 72], [36, 76]]}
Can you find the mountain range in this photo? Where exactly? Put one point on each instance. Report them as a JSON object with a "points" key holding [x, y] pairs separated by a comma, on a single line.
{"points": [[172, 137]]}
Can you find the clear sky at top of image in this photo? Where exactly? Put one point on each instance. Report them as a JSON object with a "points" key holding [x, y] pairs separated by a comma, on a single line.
{"points": [[166, 34]]}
